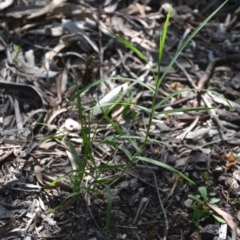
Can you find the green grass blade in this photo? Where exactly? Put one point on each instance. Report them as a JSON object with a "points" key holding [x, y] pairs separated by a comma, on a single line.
{"points": [[165, 166], [132, 47], [111, 137], [157, 78], [170, 96], [162, 40], [127, 153], [187, 41], [77, 159], [95, 83], [109, 167], [120, 131]]}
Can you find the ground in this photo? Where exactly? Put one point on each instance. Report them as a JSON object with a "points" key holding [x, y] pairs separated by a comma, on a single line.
{"points": [[68, 171]]}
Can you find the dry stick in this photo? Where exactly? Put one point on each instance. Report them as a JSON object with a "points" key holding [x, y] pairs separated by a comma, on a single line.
{"points": [[216, 141], [206, 8], [13, 89], [140, 208], [161, 204], [176, 182], [136, 235], [5, 156], [213, 113], [101, 235], [234, 233], [119, 62], [143, 181], [211, 66], [190, 128], [132, 74], [162, 207], [207, 75], [178, 102]]}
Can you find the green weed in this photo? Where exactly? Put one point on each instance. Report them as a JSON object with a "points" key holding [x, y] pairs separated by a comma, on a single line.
{"points": [[87, 166], [201, 211]]}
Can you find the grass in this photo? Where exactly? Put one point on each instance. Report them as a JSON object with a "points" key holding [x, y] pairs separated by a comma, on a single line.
{"points": [[89, 173]]}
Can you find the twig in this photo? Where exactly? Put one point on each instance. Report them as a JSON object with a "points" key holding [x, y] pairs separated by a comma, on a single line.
{"points": [[5, 156], [140, 207], [194, 123], [214, 115], [177, 102], [143, 181], [136, 235], [175, 184], [161, 204], [95, 222], [234, 233], [211, 66], [201, 83]]}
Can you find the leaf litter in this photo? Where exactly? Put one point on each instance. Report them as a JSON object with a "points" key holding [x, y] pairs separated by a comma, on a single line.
{"points": [[49, 50]]}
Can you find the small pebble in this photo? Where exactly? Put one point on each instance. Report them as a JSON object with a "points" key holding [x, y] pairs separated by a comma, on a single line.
{"points": [[124, 236], [188, 203]]}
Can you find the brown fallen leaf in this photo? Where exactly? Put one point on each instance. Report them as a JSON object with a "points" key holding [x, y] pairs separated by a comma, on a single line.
{"points": [[225, 216], [38, 173], [5, 4], [195, 236], [4, 157], [48, 8]]}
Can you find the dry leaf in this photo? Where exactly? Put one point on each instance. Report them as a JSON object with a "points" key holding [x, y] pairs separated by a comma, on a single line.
{"points": [[4, 4], [51, 6], [38, 173], [225, 216]]}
